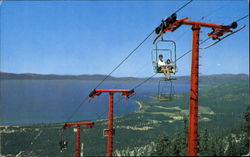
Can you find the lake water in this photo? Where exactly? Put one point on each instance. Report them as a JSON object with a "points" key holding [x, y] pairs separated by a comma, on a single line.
{"points": [[25, 102]]}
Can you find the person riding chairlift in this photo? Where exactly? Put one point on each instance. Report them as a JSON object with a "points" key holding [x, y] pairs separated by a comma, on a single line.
{"points": [[63, 145], [166, 67]]}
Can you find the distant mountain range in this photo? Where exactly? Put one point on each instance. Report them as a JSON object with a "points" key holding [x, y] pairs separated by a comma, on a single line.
{"points": [[33, 76], [184, 79]]}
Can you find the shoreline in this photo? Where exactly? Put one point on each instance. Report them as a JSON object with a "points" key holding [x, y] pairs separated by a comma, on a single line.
{"points": [[139, 104]]}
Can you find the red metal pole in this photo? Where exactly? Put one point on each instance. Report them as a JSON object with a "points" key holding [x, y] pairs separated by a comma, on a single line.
{"points": [[110, 125], [218, 31], [193, 113], [125, 93], [78, 135]]}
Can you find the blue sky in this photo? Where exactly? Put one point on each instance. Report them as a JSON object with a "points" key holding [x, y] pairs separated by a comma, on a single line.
{"points": [[84, 37]]}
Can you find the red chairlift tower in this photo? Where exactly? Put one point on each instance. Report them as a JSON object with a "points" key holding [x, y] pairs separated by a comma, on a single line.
{"points": [[78, 133], [217, 31], [125, 93]]}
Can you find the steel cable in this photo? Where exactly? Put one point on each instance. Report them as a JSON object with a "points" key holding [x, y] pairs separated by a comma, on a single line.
{"points": [[86, 98]]}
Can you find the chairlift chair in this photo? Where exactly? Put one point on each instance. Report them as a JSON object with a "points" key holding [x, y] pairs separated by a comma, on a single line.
{"points": [[167, 53], [166, 90], [63, 145], [63, 142]]}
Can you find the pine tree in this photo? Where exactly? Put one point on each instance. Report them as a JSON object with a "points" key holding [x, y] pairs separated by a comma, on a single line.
{"points": [[231, 151], [177, 145], [245, 144], [163, 146], [204, 142], [212, 147], [247, 121], [184, 138], [219, 146]]}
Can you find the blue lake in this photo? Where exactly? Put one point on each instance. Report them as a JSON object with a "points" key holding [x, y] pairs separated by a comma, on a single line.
{"points": [[25, 102]]}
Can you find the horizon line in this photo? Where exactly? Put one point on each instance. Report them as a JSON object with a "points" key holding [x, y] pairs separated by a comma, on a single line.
{"points": [[114, 76]]}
